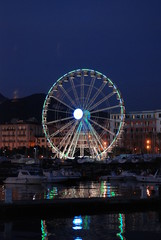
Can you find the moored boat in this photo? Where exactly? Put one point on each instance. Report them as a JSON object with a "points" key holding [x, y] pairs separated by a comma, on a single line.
{"points": [[25, 177], [54, 176], [71, 174], [21, 159], [156, 178], [111, 176]]}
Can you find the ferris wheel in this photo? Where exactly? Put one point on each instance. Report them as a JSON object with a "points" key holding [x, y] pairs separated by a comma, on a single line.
{"points": [[83, 115]]}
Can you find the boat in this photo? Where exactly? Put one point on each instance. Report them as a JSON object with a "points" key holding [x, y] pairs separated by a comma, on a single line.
{"points": [[135, 160], [123, 176], [54, 176], [25, 177], [107, 160], [85, 159], [112, 176], [127, 175], [152, 178], [4, 159], [122, 160], [21, 159], [71, 174]]}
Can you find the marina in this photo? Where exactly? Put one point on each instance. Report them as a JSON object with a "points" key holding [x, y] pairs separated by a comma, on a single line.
{"points": [[79, 194], [41, 211], [108, 192]]}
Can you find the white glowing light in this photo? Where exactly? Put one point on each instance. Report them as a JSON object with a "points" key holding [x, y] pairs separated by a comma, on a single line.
{"points": [[78, 113]]}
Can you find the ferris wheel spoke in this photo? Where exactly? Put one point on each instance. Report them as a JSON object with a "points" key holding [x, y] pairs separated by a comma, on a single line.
{"points": [[102, 127], [103, 132], [67, 139], [56, 110], [96, 94], [109, 119], [72, 147], [65, 104], [74, 91], [91, 146], [59, 120], [67, 95], [97, 137], [103, 118], [96, 148], [82, 90], [103, 109], [62, 128], [76, 138], [101, 101], [89, 92]]}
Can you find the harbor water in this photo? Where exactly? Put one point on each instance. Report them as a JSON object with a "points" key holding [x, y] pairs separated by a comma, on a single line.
{"points": [[142, 225], [112, 225]]}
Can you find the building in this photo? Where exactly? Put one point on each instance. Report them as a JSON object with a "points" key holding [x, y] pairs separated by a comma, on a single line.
{"points": [[142, 131], [21, 134]]}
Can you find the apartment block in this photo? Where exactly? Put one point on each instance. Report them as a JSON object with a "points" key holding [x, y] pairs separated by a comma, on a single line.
{"points": [[20, 134]]}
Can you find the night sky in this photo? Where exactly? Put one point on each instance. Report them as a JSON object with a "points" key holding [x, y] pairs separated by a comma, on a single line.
{"points": [[41, 40]]}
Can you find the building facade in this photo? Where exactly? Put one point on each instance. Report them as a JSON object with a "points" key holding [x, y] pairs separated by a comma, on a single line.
{"points": [[142, 131], [21, 134]]}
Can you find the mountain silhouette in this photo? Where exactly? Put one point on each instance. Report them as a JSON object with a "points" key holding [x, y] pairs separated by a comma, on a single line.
{"points": [[21, 108], [2, 98]]}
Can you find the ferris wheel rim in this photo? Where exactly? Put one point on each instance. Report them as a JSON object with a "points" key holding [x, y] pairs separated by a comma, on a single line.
{"points": [[69, 74]]}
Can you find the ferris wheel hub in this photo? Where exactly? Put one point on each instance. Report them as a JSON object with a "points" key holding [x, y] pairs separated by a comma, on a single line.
{"points": [[78, 113]]}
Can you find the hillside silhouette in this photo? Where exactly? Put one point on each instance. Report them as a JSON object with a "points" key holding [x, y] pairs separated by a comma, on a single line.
{"points": [[21, 108]]}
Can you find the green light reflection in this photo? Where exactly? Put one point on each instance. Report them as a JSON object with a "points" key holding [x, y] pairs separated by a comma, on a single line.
{"points": [[121, 220], [44, 232]]}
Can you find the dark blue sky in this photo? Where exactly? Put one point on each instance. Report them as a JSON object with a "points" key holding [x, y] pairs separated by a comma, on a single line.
{"points": [[42, 40]]}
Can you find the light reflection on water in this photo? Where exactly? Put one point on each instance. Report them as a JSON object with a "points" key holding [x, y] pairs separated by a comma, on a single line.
{"points": [[83, 223], [121, 226], [79, 190], [118, 226]]}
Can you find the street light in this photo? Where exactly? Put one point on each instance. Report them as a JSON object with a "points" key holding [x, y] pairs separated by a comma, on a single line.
{"points": [[148, 144]]}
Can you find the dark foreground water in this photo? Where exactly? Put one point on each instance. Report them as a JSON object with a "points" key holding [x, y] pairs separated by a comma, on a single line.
{"points": [[124, 226], [134, 226]]}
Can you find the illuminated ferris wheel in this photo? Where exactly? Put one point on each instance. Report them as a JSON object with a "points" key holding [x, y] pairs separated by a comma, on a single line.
{"points": [[83, 115]]}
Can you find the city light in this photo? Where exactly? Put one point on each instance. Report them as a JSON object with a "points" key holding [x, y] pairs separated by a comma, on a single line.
{"points": [[77, 223], [78, 113], [148, 144]]}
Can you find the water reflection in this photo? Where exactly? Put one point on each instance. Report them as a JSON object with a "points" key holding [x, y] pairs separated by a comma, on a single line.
{"points": [[77, 223], [44, 230], [121, 220], [103, 189], [109, 226], [51, 193]]}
